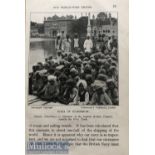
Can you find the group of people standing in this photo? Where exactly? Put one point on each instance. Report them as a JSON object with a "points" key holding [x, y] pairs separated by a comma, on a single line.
{"points": [[64, 43], [82, 76]]}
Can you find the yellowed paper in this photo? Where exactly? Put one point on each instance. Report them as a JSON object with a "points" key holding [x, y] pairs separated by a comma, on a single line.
{"points": [[77, 77]]}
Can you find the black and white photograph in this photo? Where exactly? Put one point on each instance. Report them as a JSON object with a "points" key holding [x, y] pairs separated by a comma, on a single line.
{"points": [[73, 59]]}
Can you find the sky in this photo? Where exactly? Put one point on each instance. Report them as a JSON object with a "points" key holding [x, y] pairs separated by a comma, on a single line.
{"points": [[39, 17]]}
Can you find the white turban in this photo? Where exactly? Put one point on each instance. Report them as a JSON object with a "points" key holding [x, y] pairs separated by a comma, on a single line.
{"points": [[51, 77], [83, 82]]}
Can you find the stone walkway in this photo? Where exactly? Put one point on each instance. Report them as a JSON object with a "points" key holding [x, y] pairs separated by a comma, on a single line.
{"points": [[35, 101]]}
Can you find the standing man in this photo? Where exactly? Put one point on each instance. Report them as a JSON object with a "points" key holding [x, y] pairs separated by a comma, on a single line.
{"points": [[109, 43], [58, 42], [67, 44], [63, 40], [88, 44], [76, 43]]}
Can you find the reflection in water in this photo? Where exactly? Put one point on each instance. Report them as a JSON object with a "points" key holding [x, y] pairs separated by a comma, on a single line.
{"points": [[39, 50]]}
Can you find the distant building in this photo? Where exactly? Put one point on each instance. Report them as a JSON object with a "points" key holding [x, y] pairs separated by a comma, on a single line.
{"points": [[57, 25], [104, 24], [37, 30], [34, 32], [108, 30]]}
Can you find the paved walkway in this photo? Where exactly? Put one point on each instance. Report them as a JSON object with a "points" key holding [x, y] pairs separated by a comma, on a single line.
{"points": [[35, 101]]}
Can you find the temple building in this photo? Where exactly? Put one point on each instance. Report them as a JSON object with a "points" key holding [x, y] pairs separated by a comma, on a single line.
{"points": [[104, 24], [57, 25]]}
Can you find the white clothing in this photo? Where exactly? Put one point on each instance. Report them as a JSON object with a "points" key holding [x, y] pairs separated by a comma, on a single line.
{"points": [[88, 45], [67, 46], [76, 42], [109, 44]]}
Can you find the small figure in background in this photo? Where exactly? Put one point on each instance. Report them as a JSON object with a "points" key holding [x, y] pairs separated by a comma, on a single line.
{"points": [[58, 42], [63, 40], [76, 43], [67, 44]]}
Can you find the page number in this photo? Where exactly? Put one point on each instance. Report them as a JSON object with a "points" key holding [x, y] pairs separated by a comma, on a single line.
{"points": [[114, 5]]}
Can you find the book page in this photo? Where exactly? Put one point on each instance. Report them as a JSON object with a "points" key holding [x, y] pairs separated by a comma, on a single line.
{"points": [[77, 77]]}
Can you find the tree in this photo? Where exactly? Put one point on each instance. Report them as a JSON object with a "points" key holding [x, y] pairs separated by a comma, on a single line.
{"points": [[33, 24]]}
